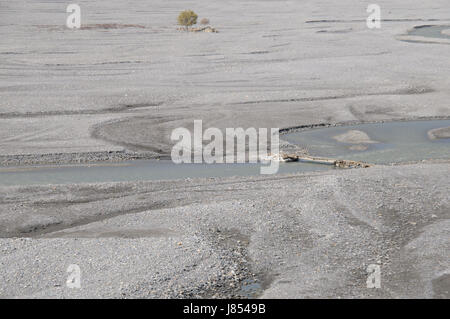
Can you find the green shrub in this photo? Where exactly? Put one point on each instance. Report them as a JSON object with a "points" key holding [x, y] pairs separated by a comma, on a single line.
{"points": [[187, 18]]}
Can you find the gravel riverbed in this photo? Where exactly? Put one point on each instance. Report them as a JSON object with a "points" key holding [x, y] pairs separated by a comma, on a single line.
{"points": [[116, 89]]}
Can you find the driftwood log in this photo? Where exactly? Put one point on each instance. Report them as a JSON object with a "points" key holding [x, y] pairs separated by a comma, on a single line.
{"points": [[327, 161]]}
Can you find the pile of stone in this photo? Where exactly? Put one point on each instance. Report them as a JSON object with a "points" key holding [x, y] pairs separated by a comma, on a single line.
{"points": [[200, 29], [350, 164], [205, 29]]}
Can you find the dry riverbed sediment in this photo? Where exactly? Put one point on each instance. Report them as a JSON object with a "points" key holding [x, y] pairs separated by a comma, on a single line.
{"points": [[304, 235]]}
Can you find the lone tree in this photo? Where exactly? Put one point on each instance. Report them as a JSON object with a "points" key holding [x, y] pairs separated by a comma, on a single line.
{"points": [[187, 18]]}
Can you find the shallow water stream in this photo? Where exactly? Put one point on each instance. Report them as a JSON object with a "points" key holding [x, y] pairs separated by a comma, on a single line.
{"points": [[379, 143], [431, 31], [140, 170]]}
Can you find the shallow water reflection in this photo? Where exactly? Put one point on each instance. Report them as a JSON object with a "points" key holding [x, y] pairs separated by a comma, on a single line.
{"points": [[379, 143]]}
